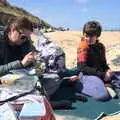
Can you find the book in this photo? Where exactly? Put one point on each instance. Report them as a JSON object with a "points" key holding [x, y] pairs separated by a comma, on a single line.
{"points": [[7, 112], [31, 111], [9, 79], [14, 75]]}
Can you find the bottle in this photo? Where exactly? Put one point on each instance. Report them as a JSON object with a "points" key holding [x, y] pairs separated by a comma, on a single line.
{"points": [[39, 65]]}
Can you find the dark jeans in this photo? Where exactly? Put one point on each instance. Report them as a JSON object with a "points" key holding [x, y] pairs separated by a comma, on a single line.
{"points": [[69, 72]]}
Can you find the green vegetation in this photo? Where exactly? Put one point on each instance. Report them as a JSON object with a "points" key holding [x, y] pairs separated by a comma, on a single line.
{"points": [[15, 11]]}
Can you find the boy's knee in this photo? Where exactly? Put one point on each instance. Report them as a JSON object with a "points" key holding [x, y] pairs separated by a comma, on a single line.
{"points": [[103, 97]]}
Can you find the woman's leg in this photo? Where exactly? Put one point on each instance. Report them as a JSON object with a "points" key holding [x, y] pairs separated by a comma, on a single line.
{"points": [[94, 87]]}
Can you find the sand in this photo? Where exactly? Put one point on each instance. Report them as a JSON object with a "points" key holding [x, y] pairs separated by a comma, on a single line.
{"points": [[68, 40]]}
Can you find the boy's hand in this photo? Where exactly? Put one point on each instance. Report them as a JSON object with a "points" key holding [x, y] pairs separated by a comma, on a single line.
{"points": [[108, 75]]}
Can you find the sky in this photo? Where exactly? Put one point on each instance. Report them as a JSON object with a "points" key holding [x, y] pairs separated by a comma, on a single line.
{"points": [[73, 14]]}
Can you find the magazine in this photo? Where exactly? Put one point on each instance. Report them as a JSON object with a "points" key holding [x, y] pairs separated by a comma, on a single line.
{"points": [[32, 111], [7, 112]]}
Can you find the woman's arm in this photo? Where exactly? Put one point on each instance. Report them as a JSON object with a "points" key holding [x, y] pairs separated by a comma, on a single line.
{"points": [[4, 69]]}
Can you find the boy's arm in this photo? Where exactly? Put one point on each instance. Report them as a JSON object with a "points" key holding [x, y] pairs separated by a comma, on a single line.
{"points": [[103, 58], [83, 67]]}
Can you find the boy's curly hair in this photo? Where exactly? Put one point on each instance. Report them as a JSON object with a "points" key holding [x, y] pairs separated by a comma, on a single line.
{"points": [[92, 28]]}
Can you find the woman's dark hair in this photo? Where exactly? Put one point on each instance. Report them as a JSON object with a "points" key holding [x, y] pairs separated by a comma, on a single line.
{"points": [[18, 23], [92, 28]]}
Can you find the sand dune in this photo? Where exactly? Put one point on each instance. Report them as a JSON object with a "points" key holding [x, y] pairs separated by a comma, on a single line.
{"points": [[69, 40]]}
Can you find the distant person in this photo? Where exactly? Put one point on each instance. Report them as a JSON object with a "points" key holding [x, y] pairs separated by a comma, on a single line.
{"points": [[94, 72]]}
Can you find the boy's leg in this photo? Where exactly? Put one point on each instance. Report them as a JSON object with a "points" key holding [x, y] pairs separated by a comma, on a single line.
{"points": [[94, 87], [68, 72]]}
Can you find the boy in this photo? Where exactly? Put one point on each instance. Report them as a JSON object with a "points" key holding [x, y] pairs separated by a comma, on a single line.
{"points": [[92, 65]]}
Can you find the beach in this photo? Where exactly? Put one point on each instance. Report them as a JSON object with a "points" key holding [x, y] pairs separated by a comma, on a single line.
{"points": [[68, 40]]}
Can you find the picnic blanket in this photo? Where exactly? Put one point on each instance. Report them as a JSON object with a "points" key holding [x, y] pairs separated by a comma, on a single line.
{"points": [[91, 109]]}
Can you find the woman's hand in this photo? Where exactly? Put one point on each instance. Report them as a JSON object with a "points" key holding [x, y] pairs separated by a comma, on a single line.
{"points": [[29, 58]]}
